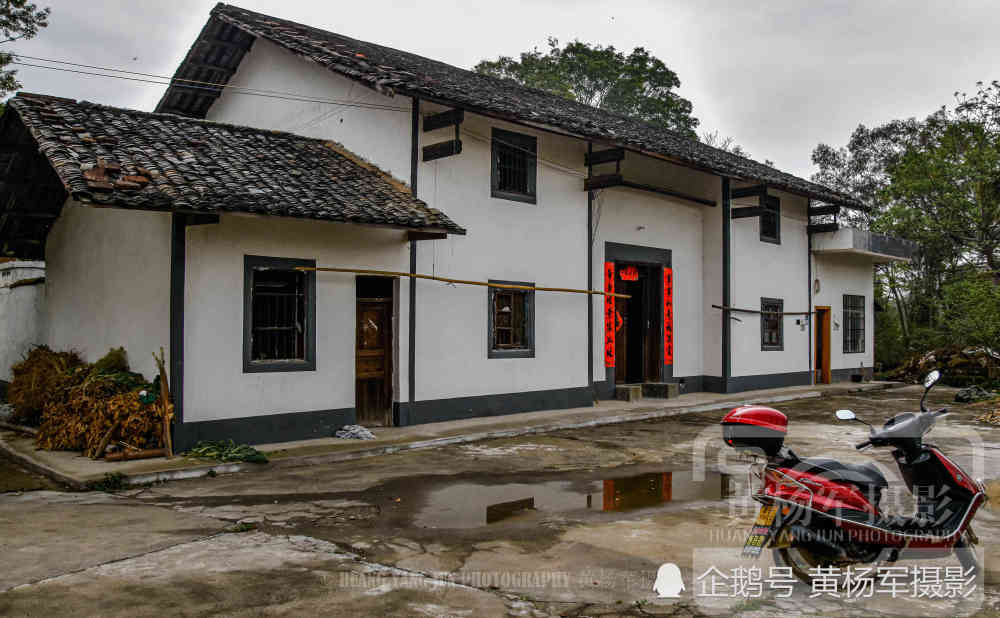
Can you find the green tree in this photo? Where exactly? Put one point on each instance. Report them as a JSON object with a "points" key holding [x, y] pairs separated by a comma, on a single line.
{"points": [[972, 308], [19, 19], [637, 85], [728, 144], [947, 185]]}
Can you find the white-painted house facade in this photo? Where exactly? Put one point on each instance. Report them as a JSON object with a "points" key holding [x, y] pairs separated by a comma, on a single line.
{"points": [[735, 277]]}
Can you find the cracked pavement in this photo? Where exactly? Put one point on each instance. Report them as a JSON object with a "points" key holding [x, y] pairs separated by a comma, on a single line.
{"points": [[442, 532]]}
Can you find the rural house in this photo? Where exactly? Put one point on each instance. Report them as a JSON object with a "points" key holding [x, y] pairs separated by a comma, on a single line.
{"points": [[194, 228]]}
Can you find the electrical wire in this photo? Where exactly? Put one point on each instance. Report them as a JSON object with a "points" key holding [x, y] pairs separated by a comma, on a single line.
{"points": [[153, 78], [217, 87]]}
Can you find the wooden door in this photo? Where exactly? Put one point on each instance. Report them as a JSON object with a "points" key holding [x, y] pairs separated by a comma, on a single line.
{"points": [[373, 366], [822, 360]]}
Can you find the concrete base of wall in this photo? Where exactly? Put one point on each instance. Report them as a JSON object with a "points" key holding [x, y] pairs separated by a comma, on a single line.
{"points": [[434, 410], [264, 429]]}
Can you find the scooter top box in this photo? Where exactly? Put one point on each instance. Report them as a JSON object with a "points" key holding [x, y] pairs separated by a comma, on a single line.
{"points": [[755, 428]]}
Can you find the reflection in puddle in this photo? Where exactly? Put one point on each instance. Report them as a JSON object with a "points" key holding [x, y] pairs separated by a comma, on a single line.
{"points": [[471, 505]]}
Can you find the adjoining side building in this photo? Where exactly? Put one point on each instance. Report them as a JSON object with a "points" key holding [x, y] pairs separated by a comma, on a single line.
{"points": [[737, 275]]}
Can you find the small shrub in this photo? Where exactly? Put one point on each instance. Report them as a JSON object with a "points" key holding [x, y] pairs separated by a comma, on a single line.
{"points": [[112, 481], [115, 361]]}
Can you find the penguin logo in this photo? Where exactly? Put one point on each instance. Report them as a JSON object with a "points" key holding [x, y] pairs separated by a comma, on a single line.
{"points": [[669, 582]]}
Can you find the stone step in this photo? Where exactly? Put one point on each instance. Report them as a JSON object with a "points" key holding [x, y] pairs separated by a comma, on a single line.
{"points": [[660, 390], [628, 392]]}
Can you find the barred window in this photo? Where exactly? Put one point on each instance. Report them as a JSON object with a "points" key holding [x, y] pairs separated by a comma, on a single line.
{"points": [[772, 335], [770, 219], [854, 324], [514, 169], [511, 322], [279, 315]]}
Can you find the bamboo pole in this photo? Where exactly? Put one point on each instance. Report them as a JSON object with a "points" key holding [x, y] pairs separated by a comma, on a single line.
{"points": [[506, 286], [168, 446], [738, 310]]}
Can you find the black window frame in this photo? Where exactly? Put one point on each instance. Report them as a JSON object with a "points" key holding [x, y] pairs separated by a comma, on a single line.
{"points": [[509, 141], [257, 262], [773, 206], [764, 303], [528, 344], [851, 326]]}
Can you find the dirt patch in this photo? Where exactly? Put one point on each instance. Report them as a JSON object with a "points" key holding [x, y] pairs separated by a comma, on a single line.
{"points": [[14, 478]]}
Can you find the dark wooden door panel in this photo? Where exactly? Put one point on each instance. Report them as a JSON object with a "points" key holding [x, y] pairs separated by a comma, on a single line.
{"points": [[373, 362]]}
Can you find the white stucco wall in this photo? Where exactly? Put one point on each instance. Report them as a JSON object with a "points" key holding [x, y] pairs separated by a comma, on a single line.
{"points": [[215, 386], [382, 136], [544, 243], [645, 219], [108, 283], [839, 275], [763, 269], [21, 314]]}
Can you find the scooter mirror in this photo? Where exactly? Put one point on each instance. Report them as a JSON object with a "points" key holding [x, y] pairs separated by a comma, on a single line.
{"points": [[931, 378], [846, 415]]}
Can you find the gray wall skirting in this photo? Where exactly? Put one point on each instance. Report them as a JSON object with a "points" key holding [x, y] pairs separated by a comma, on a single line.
{"points": [[264, 429], [434, 410], [737, 384]]}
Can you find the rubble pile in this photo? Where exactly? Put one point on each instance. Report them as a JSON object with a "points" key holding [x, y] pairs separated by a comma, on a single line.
{"points": [[959, 366]]}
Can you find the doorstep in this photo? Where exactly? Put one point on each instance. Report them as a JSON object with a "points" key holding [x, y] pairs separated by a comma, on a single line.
{"points": [[75, 470]]}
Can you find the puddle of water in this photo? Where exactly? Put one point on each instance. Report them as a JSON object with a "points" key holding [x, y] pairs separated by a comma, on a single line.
{"points": [[472, 505]]}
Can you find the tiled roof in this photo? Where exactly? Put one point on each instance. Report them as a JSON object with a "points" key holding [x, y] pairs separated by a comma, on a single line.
{"points": [[131, 159], [392, 71]]}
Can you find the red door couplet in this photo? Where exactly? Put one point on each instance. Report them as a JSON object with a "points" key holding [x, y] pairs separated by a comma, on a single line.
{"points": [[668, 316]]}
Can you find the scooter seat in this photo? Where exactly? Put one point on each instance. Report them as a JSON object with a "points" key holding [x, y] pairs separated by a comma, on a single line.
{"points": [[862, 475]]}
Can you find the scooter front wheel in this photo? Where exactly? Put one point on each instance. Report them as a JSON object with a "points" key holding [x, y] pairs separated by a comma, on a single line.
{"points": [[965, 551]]}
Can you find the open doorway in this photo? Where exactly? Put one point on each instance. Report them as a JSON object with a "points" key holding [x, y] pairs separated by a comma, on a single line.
{"points": [[822, 361], [374, 351], [637, 323]]}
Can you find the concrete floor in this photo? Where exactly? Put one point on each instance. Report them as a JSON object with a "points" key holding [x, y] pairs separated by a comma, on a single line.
{"points": [[408, 534]]}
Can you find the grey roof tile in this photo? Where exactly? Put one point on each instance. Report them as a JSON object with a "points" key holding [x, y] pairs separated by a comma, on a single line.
{"points": [[131, 159], [393, 71]]}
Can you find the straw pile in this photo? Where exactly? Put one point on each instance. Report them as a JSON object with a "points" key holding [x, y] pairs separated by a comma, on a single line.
{"points": [[34, 379], [87, 407]]}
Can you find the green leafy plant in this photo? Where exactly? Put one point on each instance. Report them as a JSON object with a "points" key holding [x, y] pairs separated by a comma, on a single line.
{"points": [[227, 451]]}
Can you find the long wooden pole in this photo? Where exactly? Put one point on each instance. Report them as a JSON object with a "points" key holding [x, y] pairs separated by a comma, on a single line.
{"points": [[507, 286]]}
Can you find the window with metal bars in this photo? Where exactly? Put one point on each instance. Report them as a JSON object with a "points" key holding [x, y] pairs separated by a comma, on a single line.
{"points": [[279, 319], [511, 321], [514, 166], [854, 324], [772, 331], [770, 220]]}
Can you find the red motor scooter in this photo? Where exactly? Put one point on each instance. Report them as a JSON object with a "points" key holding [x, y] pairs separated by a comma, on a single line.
{"points": [[819, 512]]}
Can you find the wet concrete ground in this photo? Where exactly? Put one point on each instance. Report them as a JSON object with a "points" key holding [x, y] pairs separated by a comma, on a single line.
{"points": [[568, 523]]}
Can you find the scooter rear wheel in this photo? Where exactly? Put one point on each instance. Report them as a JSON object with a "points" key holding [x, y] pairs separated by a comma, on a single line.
{"points": [[800, 559]]}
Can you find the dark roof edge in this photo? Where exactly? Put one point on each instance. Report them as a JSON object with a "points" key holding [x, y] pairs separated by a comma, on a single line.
{"points": [[822, 193]]}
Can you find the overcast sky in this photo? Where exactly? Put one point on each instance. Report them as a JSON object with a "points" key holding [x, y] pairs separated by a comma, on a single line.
{"points": [[777, 76]]}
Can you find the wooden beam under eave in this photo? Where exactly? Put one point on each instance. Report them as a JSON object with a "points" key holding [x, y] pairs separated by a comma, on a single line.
{"points": [[817, 211], [604, 156], [755, 191], [602, 182], [415, 235], [743, 213], [449, 118]]}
